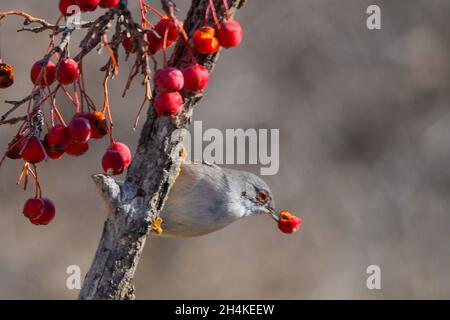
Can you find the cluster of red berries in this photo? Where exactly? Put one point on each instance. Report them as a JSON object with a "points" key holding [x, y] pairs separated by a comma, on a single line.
{"points": [[164, 28], [85, 5], [72, 140], [170, 81], [170, 84], [208, 40], [289, 223], [44, 75]]}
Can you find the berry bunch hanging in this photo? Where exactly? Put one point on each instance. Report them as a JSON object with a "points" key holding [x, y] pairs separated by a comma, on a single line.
{"points": [[43, 133]]}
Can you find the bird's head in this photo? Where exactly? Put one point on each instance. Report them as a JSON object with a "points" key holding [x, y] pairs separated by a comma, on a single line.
{"points": [[256, 198], [255, 195]]}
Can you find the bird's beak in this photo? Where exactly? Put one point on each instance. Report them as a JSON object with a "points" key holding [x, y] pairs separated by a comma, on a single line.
{"points": [[275, 216]]}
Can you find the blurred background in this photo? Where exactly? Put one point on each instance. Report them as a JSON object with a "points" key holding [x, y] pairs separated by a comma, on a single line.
{"points": [[364, 123]]}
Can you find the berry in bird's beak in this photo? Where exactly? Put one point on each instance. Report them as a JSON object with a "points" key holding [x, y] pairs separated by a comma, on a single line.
{"points": [[287, 222]]}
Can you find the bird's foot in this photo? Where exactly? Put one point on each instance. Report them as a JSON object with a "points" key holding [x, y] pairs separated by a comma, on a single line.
{"points": [[156, 226]]}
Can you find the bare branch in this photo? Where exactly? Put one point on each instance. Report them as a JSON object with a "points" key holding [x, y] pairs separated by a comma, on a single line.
{"points": [[55, 29], [29, 19], [16, 105], [13, 120]]}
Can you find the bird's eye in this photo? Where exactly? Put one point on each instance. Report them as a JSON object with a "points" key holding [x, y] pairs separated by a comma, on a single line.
{"points": [[262, 196]]}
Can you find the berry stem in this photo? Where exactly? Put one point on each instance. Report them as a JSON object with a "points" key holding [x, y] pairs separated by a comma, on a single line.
{"points": [[23, 173], [143, 9], [106, 106], [153, 10], [133, 73], [59, 115], [185, 37], [76, 98], [77, 86], [227, 9], [214, 14], [136, 120], [165, 48], [53, 35], [147, 97], [38, 189], [69, 96], [52, 117], [45, 98]]}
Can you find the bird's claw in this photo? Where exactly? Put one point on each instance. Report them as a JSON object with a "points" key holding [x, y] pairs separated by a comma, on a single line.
{"points": [[156, 226]]}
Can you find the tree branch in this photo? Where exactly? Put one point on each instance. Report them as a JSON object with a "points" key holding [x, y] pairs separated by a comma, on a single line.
{"points": [[136, 202], [29, 19]]}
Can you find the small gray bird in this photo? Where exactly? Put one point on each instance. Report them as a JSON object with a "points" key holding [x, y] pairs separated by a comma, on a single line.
{"points": [[206, 198]]}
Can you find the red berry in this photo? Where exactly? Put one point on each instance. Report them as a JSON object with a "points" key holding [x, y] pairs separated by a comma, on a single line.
{"points": [[230, 34], [48, 214], [33, 151], [98, 124], [77, 149], [68, 71], [6, 75], [54, 155], [112, 162], [154, 43], [129, 44], [97, 120], [116, 158], [57, 138], [165, 24], [289, 223], [64, 6], [87, 5], [79, 130], [123, 150], [33, 208], [169, 80], [15, 147], [109, 3], [168, 103], [205, 41], [41, 76], [51, 153], [196, 78]]}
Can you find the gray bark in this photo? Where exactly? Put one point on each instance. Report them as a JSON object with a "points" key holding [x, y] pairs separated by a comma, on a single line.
{"points": [[134, 203]]}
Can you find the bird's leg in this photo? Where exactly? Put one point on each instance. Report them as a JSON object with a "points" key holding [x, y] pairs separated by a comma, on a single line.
{"points": [[156, 226]]}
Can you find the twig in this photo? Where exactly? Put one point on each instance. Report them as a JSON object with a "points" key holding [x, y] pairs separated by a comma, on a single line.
{"points": [[13, 120], [56, 29], [16, 105], [28, 19]]}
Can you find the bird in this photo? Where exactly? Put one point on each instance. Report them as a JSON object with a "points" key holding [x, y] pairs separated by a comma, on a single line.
{"points": [[206, 198]]}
